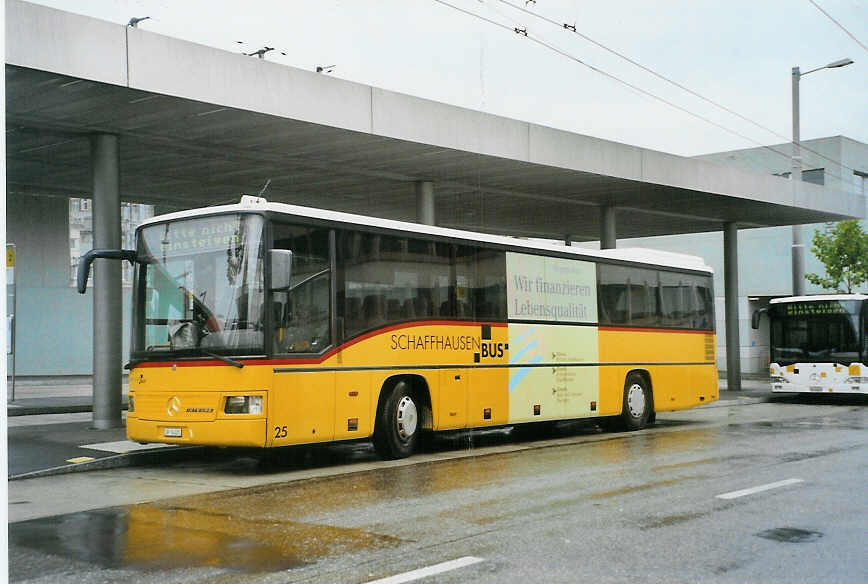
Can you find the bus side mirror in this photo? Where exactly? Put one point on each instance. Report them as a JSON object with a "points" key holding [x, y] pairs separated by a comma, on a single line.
{"points": [[281, 268], [755, 318], [87, 259]]}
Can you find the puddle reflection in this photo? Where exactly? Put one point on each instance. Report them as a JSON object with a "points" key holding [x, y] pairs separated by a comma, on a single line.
{"points": [[165, 537]]}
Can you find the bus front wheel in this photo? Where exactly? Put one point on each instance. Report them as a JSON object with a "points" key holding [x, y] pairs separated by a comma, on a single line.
{"points": [[638, 404], [397, 429]]}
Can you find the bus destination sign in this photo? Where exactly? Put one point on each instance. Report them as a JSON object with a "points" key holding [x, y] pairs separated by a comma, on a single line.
{"points": [[820, 308]]}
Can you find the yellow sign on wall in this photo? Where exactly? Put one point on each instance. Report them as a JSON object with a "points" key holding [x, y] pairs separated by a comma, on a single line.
{"points": [[10, 257]]}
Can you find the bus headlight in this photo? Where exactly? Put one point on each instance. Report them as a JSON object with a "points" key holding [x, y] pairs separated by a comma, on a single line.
{"points": [[243, 404]]}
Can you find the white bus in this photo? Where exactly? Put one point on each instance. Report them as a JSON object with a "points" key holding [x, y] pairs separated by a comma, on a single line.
{"points": [[819, 344]]}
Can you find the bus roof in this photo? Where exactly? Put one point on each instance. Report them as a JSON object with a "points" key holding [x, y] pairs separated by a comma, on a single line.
{"points": [[250, 203], [818, 298]]}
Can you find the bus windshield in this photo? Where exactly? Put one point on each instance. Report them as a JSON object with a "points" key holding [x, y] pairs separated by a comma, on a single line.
{"points": [[815, 332], [199, 287]]}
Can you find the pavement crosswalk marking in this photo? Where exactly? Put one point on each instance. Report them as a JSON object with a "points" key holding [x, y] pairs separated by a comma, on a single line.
{"points": [[122, 446]]}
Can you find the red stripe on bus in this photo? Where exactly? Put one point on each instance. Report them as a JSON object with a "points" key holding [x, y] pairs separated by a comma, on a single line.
{"points": [[654, 330], [325, 356]]}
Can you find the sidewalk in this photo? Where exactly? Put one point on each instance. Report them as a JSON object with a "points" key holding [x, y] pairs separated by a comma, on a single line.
{"points": [[54, 395], [752, 387], [50, 428]]}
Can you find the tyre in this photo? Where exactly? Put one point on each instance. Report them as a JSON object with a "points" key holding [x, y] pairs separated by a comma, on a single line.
{"points": [[638, 403], [397, 427]]}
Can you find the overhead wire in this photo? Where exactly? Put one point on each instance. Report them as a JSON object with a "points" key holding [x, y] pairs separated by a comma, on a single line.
{"points": [[572, 28], [841, 26], [524, 32]]}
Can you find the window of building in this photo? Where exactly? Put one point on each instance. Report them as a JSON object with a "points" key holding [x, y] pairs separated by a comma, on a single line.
{"points": [[860, 180], [816, 176], [81, 233]]}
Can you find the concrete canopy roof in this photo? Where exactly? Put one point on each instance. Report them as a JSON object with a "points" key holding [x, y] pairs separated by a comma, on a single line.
{"points": [[199, 126]]}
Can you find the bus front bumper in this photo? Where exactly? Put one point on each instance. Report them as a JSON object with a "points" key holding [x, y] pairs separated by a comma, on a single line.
{"points": [[830, 388], [221, 432]]}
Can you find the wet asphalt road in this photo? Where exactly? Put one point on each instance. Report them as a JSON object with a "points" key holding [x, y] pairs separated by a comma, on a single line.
{"points": [[572, 506]]}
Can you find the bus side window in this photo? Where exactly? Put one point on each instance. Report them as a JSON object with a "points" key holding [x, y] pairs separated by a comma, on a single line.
{"points": [[865, 333], [613, 297], [388, 280], [301, 313], [490, 289]]}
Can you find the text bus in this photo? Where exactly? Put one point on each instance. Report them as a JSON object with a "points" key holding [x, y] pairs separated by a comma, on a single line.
{"points": [[265, 324]]}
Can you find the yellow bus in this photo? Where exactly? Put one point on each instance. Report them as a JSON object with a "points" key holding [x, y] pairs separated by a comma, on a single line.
{"points": [[265, 324]]}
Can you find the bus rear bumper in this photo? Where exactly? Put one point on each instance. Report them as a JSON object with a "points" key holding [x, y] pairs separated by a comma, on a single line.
{"points": [[222, 432]]}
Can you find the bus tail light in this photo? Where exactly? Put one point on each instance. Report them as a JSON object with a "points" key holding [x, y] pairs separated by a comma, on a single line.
{"points": [[243, 404]]}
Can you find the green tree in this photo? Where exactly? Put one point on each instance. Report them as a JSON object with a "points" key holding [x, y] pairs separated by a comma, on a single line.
{"points": [[843, 249]]}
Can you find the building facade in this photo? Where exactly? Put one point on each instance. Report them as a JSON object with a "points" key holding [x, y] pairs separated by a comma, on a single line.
{"points": [[765, 266]]}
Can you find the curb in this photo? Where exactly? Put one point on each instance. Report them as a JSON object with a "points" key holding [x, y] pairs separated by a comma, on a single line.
{"points": [[38, 411], [742, 401], [13, 410], [128, 459]]}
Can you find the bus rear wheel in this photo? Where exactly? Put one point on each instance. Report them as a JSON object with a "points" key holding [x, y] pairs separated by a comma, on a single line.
{"points": [[397, 428], [638, 404]]}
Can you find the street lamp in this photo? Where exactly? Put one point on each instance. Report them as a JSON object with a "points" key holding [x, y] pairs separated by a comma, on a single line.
{"points": [[798, 253]]}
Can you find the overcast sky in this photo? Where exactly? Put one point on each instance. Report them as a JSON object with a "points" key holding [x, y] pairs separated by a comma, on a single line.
{"points": [[738, 53]]}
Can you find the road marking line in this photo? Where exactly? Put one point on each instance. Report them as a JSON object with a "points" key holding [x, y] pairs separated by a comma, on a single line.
{"points": [[759, 489], [79, 459], [429, 571]]}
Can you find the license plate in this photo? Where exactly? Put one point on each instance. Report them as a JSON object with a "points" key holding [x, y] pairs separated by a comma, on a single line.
{"points": [[172, 432], [816, 388]]}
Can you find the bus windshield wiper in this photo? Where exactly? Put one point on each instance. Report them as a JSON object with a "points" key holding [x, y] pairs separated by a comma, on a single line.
{"points": [[225, 359]]}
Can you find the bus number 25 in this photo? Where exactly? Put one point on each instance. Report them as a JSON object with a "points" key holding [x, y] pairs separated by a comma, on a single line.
{"points": [[280, 431]]}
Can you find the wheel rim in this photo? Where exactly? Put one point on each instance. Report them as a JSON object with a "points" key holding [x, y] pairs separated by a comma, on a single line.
{"points": [[407, 419], [636, 400]]}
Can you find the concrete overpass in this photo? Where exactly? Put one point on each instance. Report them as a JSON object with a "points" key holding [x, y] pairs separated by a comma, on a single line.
{"points": [[96, 109]]}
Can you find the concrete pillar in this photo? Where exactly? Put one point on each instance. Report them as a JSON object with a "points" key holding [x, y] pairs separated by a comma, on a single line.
{"points": [[798, 261], [607, 227], [107, 302], [425, 202], [730, 280]]}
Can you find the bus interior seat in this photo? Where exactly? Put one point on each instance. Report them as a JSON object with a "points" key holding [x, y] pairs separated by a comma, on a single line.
{"points": [[394, 310], [373, 309]]}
